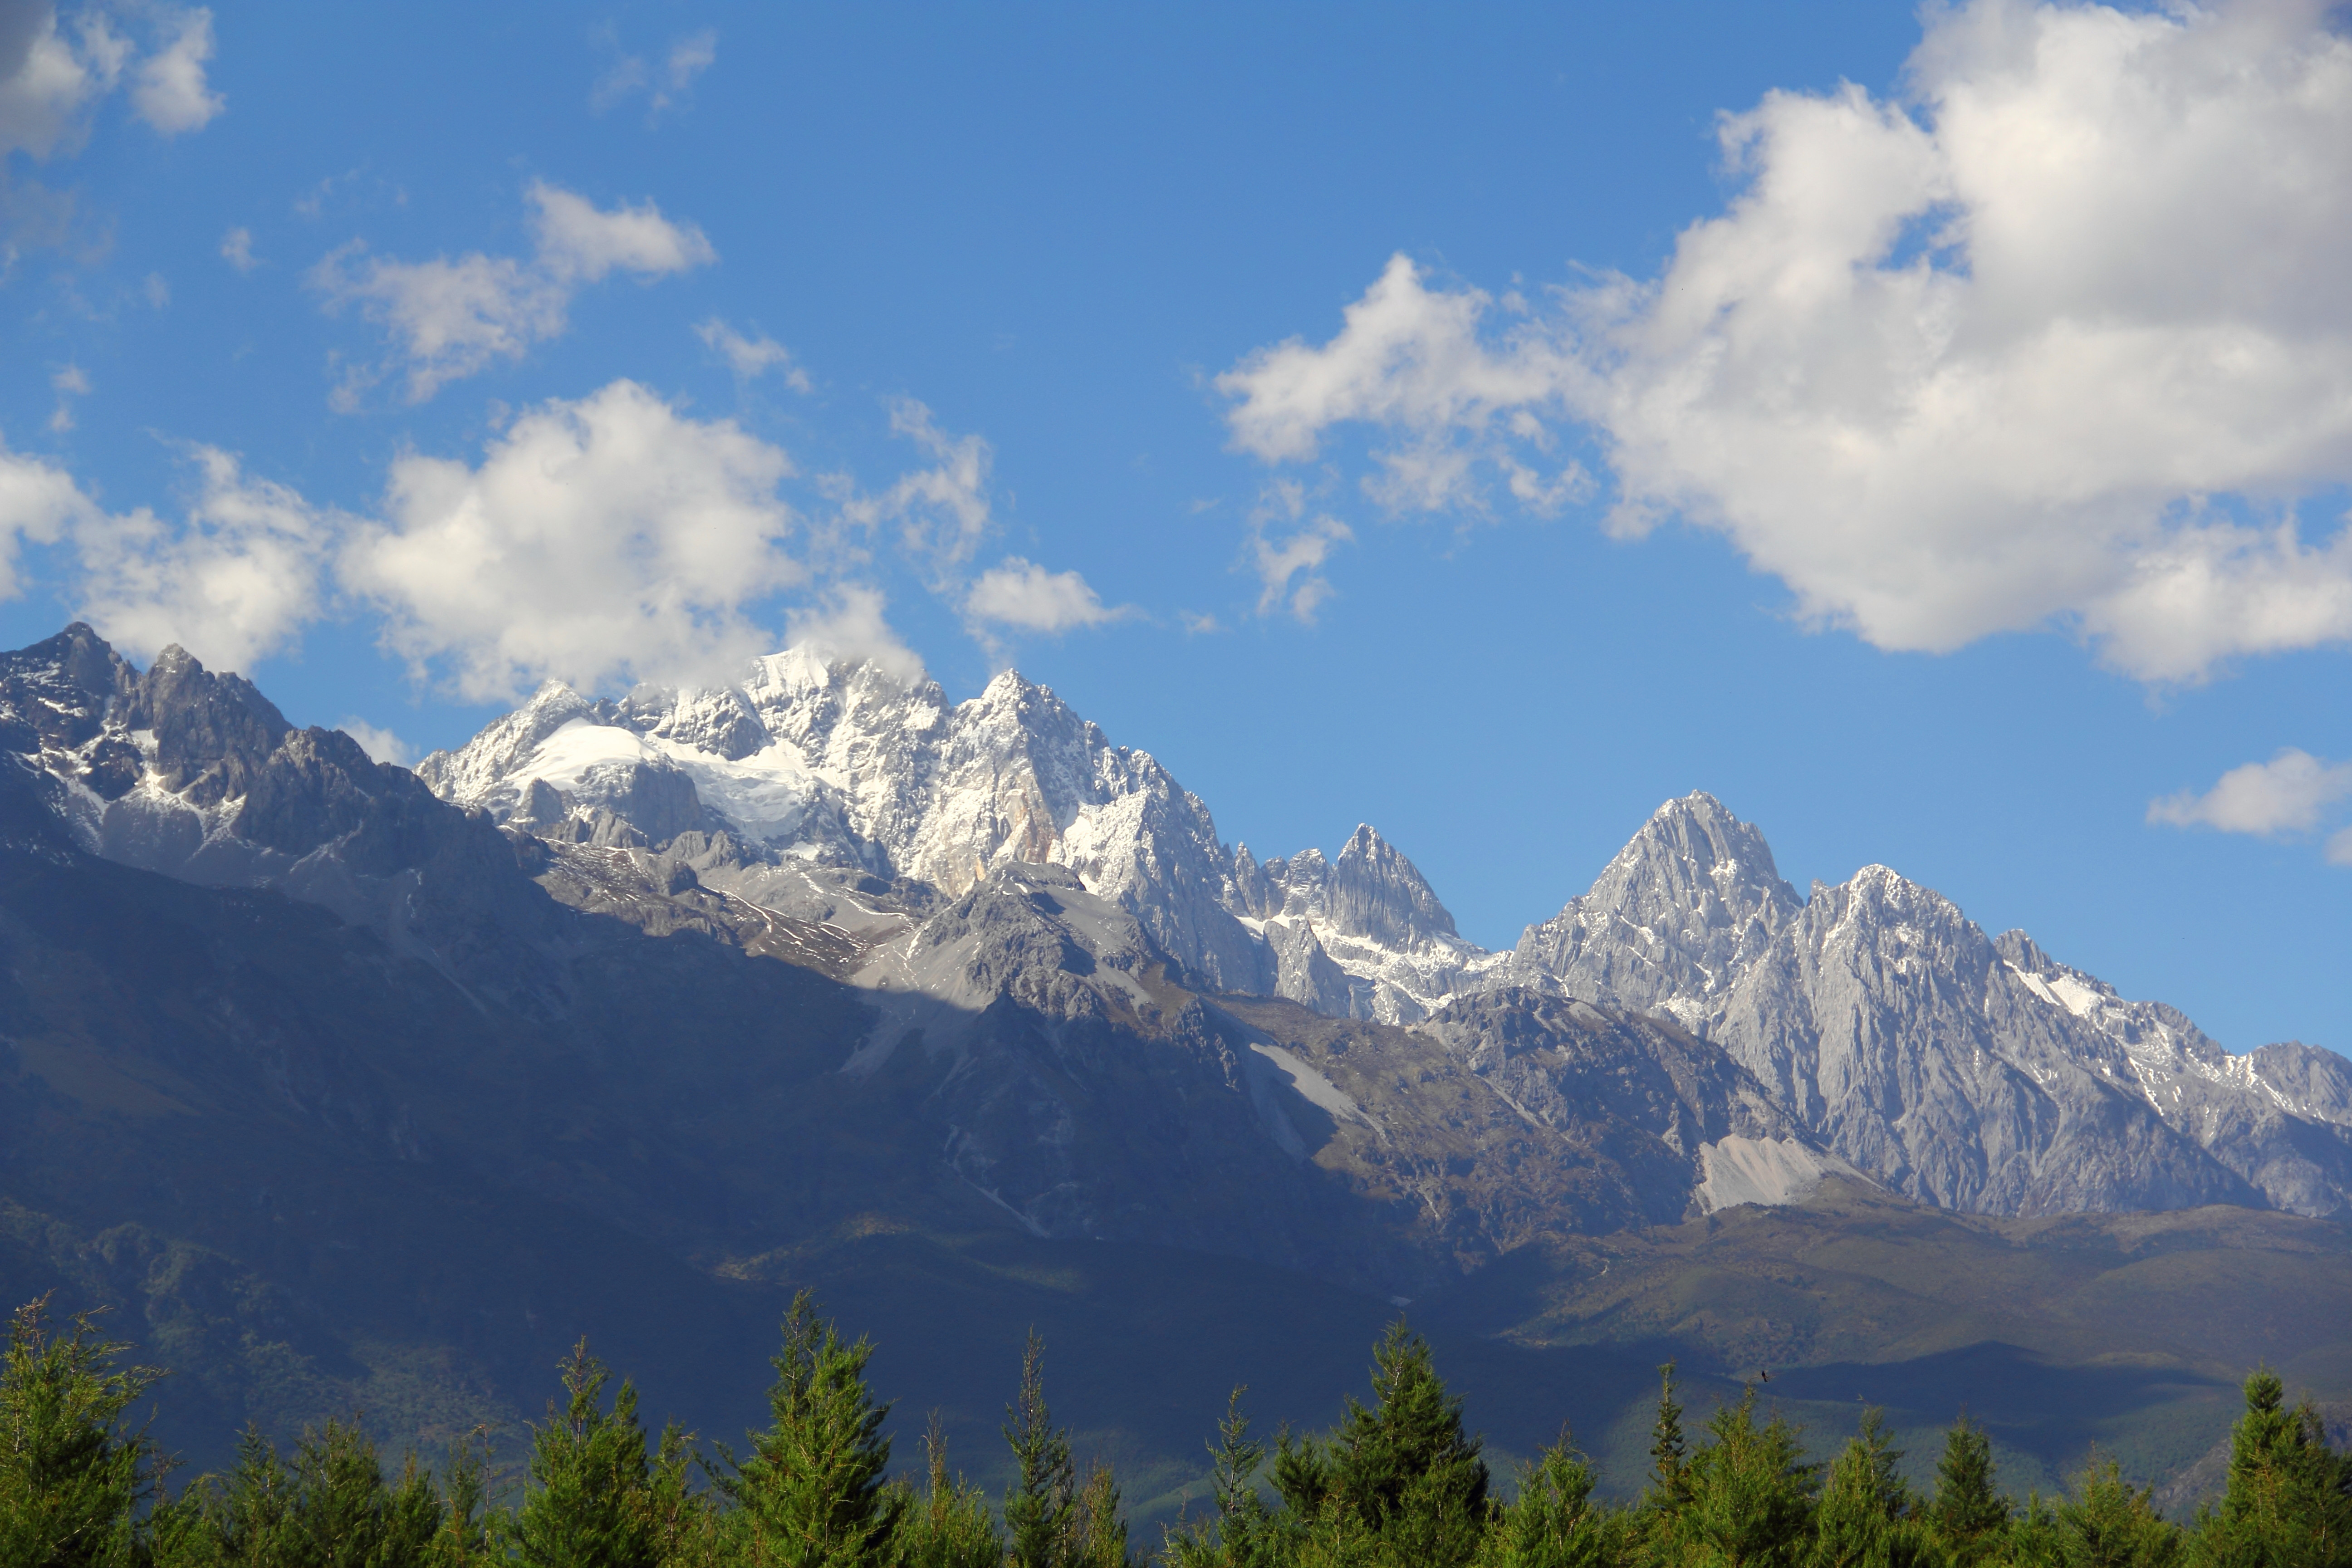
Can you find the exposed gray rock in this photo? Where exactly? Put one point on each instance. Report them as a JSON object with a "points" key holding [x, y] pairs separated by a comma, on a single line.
{"points": [[1689, 901], [1361, 936], [1969, 1073], [810, 765]]}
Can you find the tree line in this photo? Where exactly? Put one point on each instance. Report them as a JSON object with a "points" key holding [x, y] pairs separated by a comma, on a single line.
{"points": [[1398, 1483]]}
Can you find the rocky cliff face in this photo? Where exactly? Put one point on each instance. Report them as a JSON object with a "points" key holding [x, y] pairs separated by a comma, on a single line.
{"points": [[1045, 912], [197, 776], [1968, 1072], [1682, 911], [808, 778], [1363, 936]]}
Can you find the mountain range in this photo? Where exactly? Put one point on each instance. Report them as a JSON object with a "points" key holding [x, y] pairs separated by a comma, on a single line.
{"points": [[1959, 1069], [364, 1083]]}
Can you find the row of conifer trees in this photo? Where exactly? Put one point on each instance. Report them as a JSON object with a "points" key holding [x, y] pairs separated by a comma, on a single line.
{"points": [[1398, 1484]]}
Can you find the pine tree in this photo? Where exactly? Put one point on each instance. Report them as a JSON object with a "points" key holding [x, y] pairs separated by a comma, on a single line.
{"points": [[2289, 1503], [1305, 1476], [1098, 1534], [1750, 1494], [2033, 1538], [2108, 1522], [815, 1490], [1967, 1516], [951, 1525], [585, 1504], [466, 1534], [1863, 1515], [1553, 1522], [73, 1478], [1240, 1535], [1669, 1488], [1403, 1465], [243, 1517], [1041, 1508], [343, 1514]]}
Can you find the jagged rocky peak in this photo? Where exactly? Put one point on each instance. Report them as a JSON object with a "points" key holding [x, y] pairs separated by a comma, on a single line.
{"points": [[1690, 899], [835, 768], [100, 720], [1363, 935], [1371, 892], [196, 775]]}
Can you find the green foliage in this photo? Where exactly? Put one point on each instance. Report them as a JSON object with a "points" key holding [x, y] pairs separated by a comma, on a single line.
{"points": [[72, 1475], [1398, 1484], [1403, 1467], [1751, 1494], [814, 1492], [1243, 1533], [2106, 1522], [1553, 1522], [590, 1499], [1041, 1511], [1969, 1517], [331, 1508], [1099, 1537], [2289, 1503], [951, 1525], [1866, 1515], [1669, 1487]]}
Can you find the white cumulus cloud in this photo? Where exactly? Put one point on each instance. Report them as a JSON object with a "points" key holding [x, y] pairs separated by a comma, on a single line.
{"points": [[237, 249], [172, 94], [603, 540], [378, 742], [1020, 594], [54, 71], [40, 502], [449, 319], [2287, 794], [2061, 338], [607, 540], [847, 622], [233, 581]]}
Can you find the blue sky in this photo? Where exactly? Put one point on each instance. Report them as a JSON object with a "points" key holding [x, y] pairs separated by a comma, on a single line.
{"points": [[1931, 436]]}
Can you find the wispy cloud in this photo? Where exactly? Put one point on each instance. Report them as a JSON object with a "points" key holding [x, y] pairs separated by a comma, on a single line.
{"points": [[665, 84], [1020, 595], [1287, 549], [68, 382], [450, 319], [750, 358], [2289, 794]]}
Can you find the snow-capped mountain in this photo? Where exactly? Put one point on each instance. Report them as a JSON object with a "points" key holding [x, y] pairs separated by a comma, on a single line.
{"points": [[832, 816], [1965, 1070], [1363, 936], [1962, 1070], [808, 776]]}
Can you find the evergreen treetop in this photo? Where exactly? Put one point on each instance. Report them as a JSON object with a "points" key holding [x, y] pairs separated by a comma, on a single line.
{"points": [[814, 1492]]}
